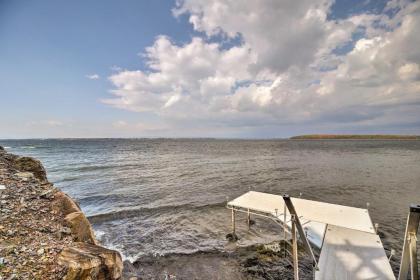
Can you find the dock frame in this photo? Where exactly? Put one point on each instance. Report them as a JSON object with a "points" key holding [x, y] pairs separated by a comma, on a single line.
{"points": [[409, 254], [346, 237]]}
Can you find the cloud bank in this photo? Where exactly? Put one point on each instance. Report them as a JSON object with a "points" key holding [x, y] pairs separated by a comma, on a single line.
{"points": [[254, 64]]}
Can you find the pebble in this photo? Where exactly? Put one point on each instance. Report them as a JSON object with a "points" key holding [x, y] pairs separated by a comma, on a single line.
{"points": [[47, 194], [66, 230]]}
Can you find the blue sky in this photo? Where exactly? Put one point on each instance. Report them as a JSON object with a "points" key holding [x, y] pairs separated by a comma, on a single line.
{"points": [[195, 68], [49, 47]]}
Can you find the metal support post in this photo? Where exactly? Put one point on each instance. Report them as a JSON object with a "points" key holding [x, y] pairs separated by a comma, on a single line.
{"points": [[233, 221], [249, 220], [409, 254], [284, 229], [299, 227], [295, 249]]}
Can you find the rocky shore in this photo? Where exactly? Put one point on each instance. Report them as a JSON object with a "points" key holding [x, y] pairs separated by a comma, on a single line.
{"points": [[43, 232], [45, 235]]}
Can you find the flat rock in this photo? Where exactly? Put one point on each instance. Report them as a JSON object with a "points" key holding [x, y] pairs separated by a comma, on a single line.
{"points": [[87, 261], [25, 175]]}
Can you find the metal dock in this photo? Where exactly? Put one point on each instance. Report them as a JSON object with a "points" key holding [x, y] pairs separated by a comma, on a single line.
{"points": [[345, 236]]}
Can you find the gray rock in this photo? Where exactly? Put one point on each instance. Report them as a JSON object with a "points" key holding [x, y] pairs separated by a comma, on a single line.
{"points": [[28, 164], [47, 194], [87, 259], [24, 175]]}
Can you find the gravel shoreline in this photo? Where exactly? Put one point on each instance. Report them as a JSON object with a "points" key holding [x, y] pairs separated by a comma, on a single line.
{"points": [[31, 233]]}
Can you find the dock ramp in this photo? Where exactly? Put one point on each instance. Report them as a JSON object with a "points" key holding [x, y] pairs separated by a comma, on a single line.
{"points": [[352, 254]]}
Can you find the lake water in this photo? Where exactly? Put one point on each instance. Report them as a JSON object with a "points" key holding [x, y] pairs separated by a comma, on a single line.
{"points": [[151, 197]]}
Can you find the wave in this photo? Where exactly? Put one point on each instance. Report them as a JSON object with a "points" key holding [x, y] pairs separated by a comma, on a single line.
{"points": [[140, 259], [67, 179], [86, 168], [150, 258], [130, 213]]}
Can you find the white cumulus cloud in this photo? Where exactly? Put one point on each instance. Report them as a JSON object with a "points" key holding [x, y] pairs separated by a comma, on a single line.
{"points": [[285, 70]]}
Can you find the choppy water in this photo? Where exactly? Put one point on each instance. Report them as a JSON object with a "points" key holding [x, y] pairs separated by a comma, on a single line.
{"points": [[147, 197]]}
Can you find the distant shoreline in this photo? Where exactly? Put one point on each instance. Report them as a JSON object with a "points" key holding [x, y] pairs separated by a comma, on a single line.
{"points": [[355, 137]]}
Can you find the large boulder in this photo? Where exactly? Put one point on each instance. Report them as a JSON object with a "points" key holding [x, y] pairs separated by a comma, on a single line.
{"points": [[64, 203], [81, 229], [2, 151], [90, 262], [28, 164]]}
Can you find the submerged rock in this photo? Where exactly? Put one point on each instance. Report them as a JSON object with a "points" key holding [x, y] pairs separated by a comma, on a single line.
{"points": [[256, 262], [232, 237], [87, 261]]}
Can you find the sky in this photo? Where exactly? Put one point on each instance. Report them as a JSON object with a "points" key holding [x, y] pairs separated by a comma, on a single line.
{"points": [[199, 68]]}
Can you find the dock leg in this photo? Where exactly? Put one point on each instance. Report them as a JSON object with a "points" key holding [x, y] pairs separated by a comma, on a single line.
{"points": [[233, 222], [295, 250], [249, 220], [284, 229]]}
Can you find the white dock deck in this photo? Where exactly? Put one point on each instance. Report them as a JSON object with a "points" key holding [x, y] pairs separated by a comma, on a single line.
{"points": [[352, 254], [315, 211], [350, 247]]}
